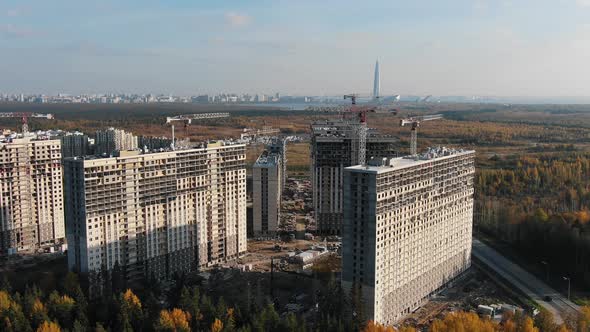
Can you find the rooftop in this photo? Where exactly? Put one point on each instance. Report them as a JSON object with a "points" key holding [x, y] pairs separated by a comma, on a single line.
{"points": [[388, 164], [267, 159]]}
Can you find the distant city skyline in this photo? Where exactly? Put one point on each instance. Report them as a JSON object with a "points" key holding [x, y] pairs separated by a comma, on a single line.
{"points": [[461, 47]]}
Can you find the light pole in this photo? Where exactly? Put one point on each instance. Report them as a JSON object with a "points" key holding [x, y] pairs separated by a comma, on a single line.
{"points": [[546, 269], [568, 286]]}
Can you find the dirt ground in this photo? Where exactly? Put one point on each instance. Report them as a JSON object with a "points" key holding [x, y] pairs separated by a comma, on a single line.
{"points": [[465, 294]]}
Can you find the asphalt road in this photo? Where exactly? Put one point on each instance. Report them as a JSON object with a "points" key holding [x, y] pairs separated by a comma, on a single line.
{"points": [[524, 281]]}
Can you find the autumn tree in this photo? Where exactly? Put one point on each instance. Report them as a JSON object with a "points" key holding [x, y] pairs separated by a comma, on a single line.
{"points": [[376, 327], [49, 327], [175, 320], [462, 321], [12, 317], [545, 321]]}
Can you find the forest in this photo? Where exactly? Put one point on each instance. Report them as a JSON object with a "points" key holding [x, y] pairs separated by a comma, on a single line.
{"points": [[540, 207], [188, 307]]}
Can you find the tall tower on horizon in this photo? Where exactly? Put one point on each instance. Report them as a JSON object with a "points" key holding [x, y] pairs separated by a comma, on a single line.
{"points": [[377, 81]]}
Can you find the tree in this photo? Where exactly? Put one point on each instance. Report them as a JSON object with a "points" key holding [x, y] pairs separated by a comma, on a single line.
{"points": [[70, 284], [175, 320], [130, 311], [462, 321], [62, 309], [545, 321], [5, 284], [376, 327], [12, 317], [406, 329], [217, 326], [527, 325], [49, 327], [38, 313], [99, 328], [584, 319]]}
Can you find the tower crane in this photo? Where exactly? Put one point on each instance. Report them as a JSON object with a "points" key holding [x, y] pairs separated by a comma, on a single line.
{"points": [[358, 127], [187, 119], [25, 117], [415, 122]]}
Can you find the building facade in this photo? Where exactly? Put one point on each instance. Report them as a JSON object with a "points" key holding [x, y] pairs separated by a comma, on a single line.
{"points": [[157, 213], [407, 229], [74, 145], [266, 193], [31, 195], [332, 150], [111, 140]]}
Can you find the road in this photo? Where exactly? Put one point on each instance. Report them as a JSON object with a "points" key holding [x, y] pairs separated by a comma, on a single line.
{"points": [[524, 281]]}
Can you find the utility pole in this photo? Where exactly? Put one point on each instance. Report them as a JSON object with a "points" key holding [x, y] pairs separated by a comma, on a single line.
{"points": [[569, 284], [546, 269]]}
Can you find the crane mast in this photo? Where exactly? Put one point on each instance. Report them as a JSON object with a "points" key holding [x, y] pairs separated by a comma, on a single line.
{"points": [[415, 123], [25, 118], [358, 127]]}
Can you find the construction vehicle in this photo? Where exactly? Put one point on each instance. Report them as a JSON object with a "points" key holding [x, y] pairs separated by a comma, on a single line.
{"points": [[25, 117], [415, 122]]}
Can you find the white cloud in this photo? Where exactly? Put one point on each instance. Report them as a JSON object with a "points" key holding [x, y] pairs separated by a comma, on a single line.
{"points": [[237, 19], [583, 3]]}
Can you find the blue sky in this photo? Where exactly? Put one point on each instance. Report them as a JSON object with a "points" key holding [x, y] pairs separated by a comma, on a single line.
{"points": [[453, 47]]}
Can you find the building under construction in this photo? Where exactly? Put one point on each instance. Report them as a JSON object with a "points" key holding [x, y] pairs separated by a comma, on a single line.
{"points": [[334, 147], [31, 196], [157, 213]]}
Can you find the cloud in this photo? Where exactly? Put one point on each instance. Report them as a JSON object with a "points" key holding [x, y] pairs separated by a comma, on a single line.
{"points": [[237, 19], [583, 3], [11, 30]]}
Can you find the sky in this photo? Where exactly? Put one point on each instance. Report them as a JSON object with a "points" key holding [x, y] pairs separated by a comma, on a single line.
{"points": [[298, 47]]}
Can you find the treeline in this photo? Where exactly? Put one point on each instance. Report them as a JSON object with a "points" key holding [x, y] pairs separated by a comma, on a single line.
{"points": [[540, 206], [182, 304], [189, 308], [518, 322]]}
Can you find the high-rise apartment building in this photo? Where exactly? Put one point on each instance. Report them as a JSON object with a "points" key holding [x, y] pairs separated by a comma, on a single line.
{"points": [[279, 146], [31, 195], [111, 140], [154, 143], [407, 229], [156, 213], [74, 145], [266, 193], [332, 150]]}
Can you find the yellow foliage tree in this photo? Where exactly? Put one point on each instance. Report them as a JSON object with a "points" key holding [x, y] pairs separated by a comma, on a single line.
{"points": [[131, 299], [463, 321], [5, 301], [528, 325], [176, 320], [217, 326], [584, 319], [49, 327], [38, 307], [376, 327]]}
